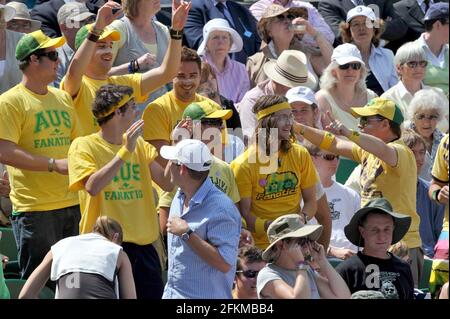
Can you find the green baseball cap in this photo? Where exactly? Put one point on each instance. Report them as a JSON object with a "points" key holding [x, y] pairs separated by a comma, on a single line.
{"points": [[206, 109], [82, 34], [34, 41], [379, 106]]}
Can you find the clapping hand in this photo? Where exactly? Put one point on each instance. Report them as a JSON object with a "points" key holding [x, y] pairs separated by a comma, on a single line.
{"points": [[132, 134], [109, 12]]}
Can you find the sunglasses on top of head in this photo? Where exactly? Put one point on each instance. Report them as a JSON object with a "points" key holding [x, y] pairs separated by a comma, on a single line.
{"points": [[52, 55], [354, 66], [248, 273]]}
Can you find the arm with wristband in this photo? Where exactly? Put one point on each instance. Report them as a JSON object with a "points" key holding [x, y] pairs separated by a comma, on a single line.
{"points": [[97, 181]]}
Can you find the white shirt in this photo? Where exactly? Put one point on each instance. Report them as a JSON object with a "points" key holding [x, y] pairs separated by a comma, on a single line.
{"points": [[438, 61]]}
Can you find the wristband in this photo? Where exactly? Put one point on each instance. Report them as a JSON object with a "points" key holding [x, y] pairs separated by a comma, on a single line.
{"points": [[302, 130], [124, 154], [354, 136], [327, 140], [93, 37], [302, 265], [435, 195], [51, 164], [259, 226], [176, 35], [96, 31]]}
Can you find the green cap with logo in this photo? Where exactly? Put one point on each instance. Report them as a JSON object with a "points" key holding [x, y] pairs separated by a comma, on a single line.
{"points": [[379, 106], [34, 41], [206, 109], [82, 34]]}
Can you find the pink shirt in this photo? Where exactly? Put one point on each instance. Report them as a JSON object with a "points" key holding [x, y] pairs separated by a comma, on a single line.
{"points": [[233, 81]]}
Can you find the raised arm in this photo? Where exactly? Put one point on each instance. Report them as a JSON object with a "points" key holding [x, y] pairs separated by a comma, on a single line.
{"points": [[155, 78], [83, 55], [37, 279]]}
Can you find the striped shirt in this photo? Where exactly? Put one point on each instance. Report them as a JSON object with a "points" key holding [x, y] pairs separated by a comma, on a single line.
{"points": [[215, 218]]}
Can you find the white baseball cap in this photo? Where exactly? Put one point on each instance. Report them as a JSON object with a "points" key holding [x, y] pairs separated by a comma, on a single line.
{"points": [[346, 53], [301, 94], [220, 25], [192, 153], [361, 11]]}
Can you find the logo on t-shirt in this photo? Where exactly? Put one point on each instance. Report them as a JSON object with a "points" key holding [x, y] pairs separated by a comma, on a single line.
{"points": [[335, 214], [278, 185], [124, 183], [53, 124]]}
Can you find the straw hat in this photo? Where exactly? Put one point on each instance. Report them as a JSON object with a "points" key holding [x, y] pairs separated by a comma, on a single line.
{"points": [[8, 12], [22, 13]]}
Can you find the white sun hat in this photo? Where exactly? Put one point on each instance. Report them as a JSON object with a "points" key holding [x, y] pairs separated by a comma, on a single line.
{"points": [[220, 25]]}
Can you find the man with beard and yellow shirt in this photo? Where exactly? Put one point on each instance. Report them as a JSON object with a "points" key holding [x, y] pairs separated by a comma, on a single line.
{"points": [[439, 193], [386, 163], [89, 68], [37, 125], [113, 171]]}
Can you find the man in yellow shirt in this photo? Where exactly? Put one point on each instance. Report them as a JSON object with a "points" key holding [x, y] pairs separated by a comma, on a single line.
{"points": [[113, 171], [386, 163], [439, 193], [89, 68], [162, 115], [37, 124]]}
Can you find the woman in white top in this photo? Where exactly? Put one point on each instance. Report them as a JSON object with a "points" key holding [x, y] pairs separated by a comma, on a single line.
{"points": [[88, 266], [343, 86], [363, 29], [411, 63], [10, 73], [294, 257]]}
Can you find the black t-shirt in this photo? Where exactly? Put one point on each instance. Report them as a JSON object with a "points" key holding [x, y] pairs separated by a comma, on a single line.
{"points": [[391, 276]]}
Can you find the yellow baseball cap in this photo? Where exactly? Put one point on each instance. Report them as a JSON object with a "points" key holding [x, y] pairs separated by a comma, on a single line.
{"points": [[82, 34], [34, 41], [379, 106]]}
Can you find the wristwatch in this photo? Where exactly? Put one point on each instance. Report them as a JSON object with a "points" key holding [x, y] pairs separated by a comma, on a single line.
{"points": [[185, 236]]}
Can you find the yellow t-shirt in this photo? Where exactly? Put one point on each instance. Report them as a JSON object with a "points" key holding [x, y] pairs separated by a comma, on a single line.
{"points": [[220, 174], [128, 198], [163, 114], [41, 125], [397, 184], [440, 170], [86, 96], [274, 192]]}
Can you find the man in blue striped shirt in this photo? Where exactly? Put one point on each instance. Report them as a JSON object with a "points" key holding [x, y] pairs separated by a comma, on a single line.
{"points": [[203, 228]]}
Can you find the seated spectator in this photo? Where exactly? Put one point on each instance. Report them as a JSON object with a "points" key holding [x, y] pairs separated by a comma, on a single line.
{"points": [[9, 68], [363, 29], [293, 258], [218, 41], [314, 17], [335, 11], [288, 71], [22, 21], [209, 88], [249, 264], [375, 227], [426, 111], [411, 62], [100, 266], [343, 86], [142, 39], [71, 17], [343, 201], [435, 43], [274, 174], [431, 213], [276, 28]]}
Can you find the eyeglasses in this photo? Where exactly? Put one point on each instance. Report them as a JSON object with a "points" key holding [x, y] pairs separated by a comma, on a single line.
{"points": [[283, 17], [354, 66], [248, 273], [328, 157], [415, 64], [421, 117], [212, 122], [364, 121], [52, 55]]}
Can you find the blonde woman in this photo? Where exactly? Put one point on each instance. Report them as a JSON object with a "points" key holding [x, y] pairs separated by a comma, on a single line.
{"points": [[96, 260]]}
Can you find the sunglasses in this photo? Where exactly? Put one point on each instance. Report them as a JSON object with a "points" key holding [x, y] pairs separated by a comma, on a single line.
{"points": [[354, 66], [415, 64], [329, 157], [364, 121], [52, 55], [283, 17], [212, 122], [421, 117], [248, 273]]}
